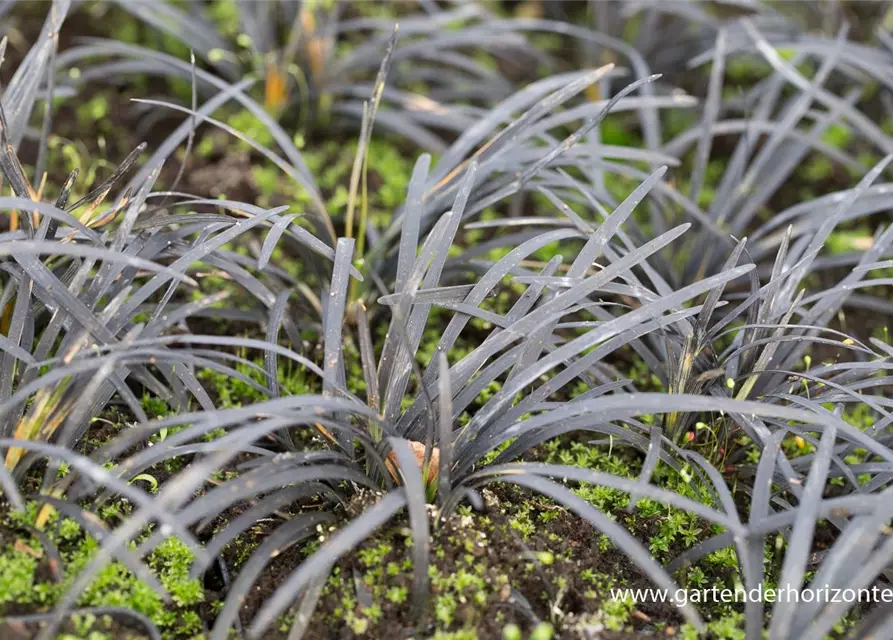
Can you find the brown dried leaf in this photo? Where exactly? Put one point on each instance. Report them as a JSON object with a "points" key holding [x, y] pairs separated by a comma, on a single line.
{"points": [[418, 449]]}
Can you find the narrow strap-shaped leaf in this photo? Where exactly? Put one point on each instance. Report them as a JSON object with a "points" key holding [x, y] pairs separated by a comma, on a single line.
{"points": [[651, 460], [411, 220], [800, 542], [170, 496], [276, 314], [20, 313], [194, 254], [188, 27], [586, 257], [21, 93], [333, 324], [414, 487], [106, 186], [714, 295], [445, 424], [367, 358], [576, 368], [244, 521], [417, 318], [592, 338], [870, 130], [711, 113]]}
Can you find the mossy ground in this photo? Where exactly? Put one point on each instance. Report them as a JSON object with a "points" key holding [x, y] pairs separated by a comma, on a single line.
{"points": [[522, 561], [36, 570]]}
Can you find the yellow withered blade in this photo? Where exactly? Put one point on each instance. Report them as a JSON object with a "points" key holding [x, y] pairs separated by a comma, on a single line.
{"points": [[6, 317], [46, 511], [275, 92], [593, 94], [23, 432], [46, 417], [530, 9], [315, 49], [27, 429]]}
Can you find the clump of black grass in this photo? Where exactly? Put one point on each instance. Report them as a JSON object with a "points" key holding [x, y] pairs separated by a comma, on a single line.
{"points": [[758, 348], [98, 292], [318, 60], [423, 454], [559, 329]]}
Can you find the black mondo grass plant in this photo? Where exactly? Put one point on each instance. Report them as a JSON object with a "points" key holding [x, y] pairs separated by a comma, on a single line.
{"points": [[315, 62], [79, 276], [318, 59], [433, 441], [107, 300]]}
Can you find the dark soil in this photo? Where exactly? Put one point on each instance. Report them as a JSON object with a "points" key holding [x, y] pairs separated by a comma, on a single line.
{"points": [[518, 587]]}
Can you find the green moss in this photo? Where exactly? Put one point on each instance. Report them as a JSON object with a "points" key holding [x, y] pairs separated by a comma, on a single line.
{"points": [[225, 14], [730, 627], [542, 631], [374, 556], [511, 632], [397, 595], [154, 406], [236, 392], [114, 585], [93, 111], [464, 634], [16, 576]]}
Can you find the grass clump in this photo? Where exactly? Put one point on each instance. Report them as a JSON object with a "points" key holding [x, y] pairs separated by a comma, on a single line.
{"points": [[606, 334]]}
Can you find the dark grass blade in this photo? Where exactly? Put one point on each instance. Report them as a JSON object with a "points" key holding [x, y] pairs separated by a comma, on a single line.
{"points": [[367, 357], [37, 247], [276, 314], [287, 168], [187, 27], [106, 186], [445, 433], [171, 494], [593, 249], [196, 253], [250, 517], [711, 113], [169, 64], [411, 220], [394, 370], [794, 568], [604, 332], [22, 90], [125, 613], [789, 73], [333, 323], [652, 458], [414, 487]]}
